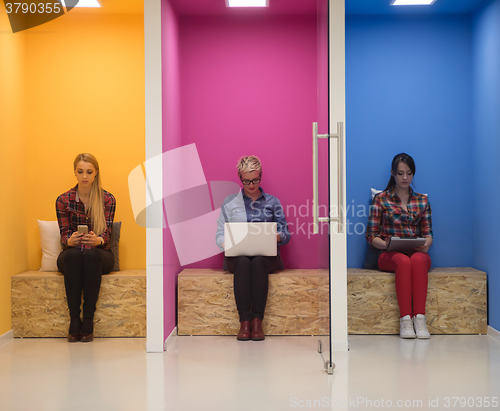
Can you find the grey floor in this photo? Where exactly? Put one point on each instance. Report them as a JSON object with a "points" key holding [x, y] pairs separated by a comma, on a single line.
{"points": [[220, 373]]}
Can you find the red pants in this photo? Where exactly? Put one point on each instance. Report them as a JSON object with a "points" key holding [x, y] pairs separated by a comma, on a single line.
{"points": [[411, 279]]}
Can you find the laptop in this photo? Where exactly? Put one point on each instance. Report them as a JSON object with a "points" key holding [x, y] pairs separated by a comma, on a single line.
{"points": [[405, 244], [250, 239]]}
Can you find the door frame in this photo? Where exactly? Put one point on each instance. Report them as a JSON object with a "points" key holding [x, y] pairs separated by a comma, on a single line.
{"points": [[154, 147], [338, 242]]}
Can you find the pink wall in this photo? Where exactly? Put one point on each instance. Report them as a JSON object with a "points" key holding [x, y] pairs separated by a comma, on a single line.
{"points": [[239, 85], [171, 140], [249, 85], [236, 84]]}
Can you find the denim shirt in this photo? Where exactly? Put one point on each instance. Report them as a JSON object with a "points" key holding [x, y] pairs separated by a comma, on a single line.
{"points": [[240, 208]]}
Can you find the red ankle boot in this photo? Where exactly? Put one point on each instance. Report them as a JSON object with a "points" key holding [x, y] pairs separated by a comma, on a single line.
{"points": [[257, 332], [245, 331]]}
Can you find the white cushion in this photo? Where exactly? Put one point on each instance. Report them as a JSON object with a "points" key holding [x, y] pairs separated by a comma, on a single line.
{"points": [[50, 241], [375, 192]]}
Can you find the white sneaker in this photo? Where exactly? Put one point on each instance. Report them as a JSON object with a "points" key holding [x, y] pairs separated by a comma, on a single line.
{"points": [[421, 326], [406, 327]]}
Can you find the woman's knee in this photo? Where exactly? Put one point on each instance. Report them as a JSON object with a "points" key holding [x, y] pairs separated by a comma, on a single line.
{"points": [[262, 265], [70, 261], [404, 263], [70, 257], [259, 261], [394, 260], [72, 254], [421, 259], [242, 262], [92, 255]]}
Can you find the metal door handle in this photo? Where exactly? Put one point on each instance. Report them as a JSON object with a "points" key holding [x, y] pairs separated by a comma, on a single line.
{"points": [[339, 136]]}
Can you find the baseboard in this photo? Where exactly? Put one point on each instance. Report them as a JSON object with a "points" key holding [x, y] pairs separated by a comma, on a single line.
{"points": [[495, 334], [9, 335], [171, 339]]}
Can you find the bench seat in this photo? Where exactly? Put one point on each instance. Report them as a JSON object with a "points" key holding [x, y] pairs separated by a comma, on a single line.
{"points": [[298, 302], [456, 301], [40, 309]]}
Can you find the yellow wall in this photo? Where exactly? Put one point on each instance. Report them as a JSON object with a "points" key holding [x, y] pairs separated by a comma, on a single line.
{"points": [[13, 197], [72, 85], [85, 88]]}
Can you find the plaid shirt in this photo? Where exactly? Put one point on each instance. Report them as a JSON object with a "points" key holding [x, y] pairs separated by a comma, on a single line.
{"points": [[389, 219], [71, 213]]}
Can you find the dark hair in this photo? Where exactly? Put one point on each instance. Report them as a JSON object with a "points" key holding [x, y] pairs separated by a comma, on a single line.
{"points": [[398, 158]]}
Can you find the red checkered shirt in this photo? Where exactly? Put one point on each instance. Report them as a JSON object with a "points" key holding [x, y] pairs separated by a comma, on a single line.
{"points": [[389, 219], [71, 213]]}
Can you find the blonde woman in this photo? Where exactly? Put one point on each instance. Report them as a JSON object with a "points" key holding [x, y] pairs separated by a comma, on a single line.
{"points": [[85, 257], [252, 204]]}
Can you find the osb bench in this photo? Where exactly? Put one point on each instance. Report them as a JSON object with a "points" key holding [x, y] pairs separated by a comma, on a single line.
{"points": [[456, 301], [298, 302], [40, 309]]}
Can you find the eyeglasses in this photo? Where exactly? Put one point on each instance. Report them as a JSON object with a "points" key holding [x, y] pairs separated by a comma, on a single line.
{"points": [[247, 182]]}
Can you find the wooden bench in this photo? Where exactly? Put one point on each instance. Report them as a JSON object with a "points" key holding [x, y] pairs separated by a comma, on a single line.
{"points": [[456, 301], [40, 309], [298, 302]]}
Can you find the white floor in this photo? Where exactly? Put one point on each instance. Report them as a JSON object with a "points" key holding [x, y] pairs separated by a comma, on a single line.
{"points": [[220, 373]]}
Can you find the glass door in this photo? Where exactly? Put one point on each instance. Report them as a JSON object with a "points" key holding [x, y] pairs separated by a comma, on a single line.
{"points": [[321, 229], [329, 181]]}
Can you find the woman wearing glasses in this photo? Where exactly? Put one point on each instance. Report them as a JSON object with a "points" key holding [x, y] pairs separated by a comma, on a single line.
{"points": [[252, 204]]}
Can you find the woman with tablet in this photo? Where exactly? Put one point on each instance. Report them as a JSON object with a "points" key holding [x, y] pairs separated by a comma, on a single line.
{"points": [[398, 211], [252, 204], [85, 215]]}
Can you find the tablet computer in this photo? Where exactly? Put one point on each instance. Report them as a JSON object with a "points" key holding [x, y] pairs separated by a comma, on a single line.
{"points": [[405, 245], [250, 239]]}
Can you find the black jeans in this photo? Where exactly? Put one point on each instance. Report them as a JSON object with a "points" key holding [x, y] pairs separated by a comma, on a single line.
{"points": [[251, 282], [82, 272]]}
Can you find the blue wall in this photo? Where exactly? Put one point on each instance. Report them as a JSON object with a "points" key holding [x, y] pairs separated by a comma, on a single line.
{"points": [[486, 131], [409, 89]]}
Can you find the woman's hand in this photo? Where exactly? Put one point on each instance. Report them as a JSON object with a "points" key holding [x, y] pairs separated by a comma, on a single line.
{"points": [[377, 242], [75, 239], [425, 248], [91, 239], [279, 238]]}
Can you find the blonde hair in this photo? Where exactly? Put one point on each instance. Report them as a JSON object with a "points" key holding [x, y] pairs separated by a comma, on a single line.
{"points": [[96, 208], [248, 164]]}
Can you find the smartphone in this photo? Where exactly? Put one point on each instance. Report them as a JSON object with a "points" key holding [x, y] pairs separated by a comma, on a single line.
{"points": [[83, 229]]}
